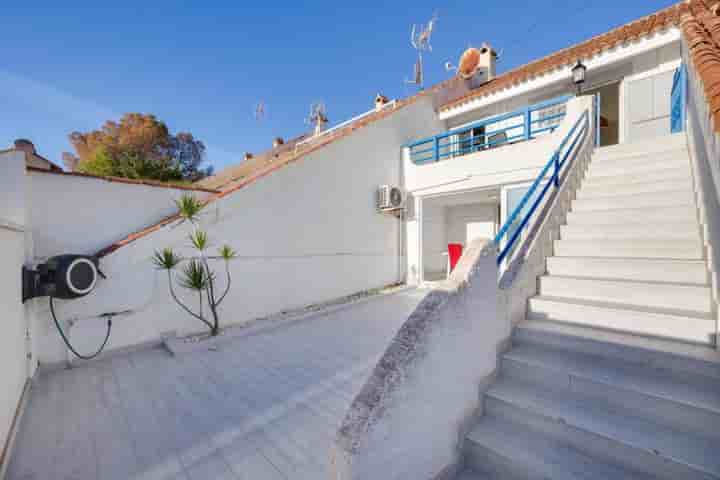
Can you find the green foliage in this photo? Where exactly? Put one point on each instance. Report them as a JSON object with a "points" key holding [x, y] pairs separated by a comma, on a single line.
{"points": [[199, 240], [195, 276], [189, 207], [139, 146], [165, 259], [227, 253]]}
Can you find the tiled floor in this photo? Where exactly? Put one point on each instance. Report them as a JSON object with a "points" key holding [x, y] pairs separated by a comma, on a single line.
{"points": [[264, 406]]}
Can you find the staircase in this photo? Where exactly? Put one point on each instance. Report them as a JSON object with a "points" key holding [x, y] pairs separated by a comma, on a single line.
{"points": [[613, 374]]}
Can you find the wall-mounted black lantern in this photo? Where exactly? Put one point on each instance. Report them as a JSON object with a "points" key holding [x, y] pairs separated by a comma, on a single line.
{"points": [[578, 75]]}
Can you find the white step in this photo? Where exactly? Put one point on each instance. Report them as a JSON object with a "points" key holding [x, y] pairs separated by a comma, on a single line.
{"points": [[638, 200], [510, 451], [682, 400], [689, 325], [655, 145], [598, 168], [683, 173], [652, 352], [672, 154], [636, 187], [621, 231], [684, 214], [603, 431], [648, 248], [642, 162], [473, 475], [653, 295], [640, 269]]}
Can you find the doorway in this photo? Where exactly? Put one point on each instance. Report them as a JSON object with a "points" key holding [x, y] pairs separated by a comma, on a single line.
{"points": [[609, 112]]}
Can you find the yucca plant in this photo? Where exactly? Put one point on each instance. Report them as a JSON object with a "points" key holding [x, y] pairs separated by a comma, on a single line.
{"points": [[196, 274]]}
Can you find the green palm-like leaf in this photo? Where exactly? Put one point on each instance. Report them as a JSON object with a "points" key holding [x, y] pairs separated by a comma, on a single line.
{"points": [[194, 276], [199, 240], [189, 207], [165, 259], [227, 253]]}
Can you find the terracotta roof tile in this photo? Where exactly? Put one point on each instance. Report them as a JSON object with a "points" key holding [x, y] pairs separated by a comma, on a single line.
{"points": [[623, 34], [147, 183]]}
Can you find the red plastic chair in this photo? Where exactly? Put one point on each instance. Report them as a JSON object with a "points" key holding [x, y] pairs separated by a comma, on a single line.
{"points": [[454, 253]]}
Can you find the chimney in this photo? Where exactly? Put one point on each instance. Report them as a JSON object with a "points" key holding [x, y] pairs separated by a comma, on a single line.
{"points": [[380, 101], [70, 161], [247, 156], [25, 145], [278, 141], [486, 63]]}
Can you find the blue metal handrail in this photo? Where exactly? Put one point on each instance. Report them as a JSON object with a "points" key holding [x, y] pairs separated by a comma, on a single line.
{"points": [[462, 141], [554, 179]]}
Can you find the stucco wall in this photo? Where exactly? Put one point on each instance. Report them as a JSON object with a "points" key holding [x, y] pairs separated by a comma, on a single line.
{"points": [[306, 233], [409, 420], [13, 347], [434, 238], [74, 214], [704, 146]]}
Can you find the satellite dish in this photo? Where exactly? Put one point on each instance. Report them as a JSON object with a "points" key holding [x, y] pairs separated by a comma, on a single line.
{"points": [[469, 63]]}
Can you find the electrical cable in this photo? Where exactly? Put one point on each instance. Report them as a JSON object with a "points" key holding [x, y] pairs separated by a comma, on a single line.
{"points": [[67, 341]]}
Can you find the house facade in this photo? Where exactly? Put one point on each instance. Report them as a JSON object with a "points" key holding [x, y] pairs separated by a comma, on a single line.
{"points": [[496, 167]]}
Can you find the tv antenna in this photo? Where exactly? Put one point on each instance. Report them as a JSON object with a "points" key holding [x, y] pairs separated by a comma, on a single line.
{"points": [[259, 112], [318, 116], [420, 40]]}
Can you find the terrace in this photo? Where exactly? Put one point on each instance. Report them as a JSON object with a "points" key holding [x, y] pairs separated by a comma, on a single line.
{"points": [[263, 406]]}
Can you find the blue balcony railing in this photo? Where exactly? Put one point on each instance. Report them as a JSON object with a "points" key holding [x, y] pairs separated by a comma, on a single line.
{"points": [[520, 125], [518, 220]]}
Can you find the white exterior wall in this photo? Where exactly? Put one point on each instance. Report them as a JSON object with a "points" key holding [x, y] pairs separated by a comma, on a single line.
{"points": [[468, 222], [306, 233], [75, 214], [435, 238], [645, 94], [13, 346]]}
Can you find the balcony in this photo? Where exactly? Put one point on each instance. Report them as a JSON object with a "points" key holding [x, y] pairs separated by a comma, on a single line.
{"points": [[517, 126]]}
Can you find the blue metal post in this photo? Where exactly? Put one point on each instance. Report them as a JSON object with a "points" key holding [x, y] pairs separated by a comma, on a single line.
{"points": [[556, 161], [436, 149], [528, 124]]}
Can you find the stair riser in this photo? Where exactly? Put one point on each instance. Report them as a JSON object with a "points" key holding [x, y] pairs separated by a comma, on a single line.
{"points": [[629, 232], [679, 297], [627, 178], [679, 154], [598, 169], [594, 445], [654, 145], [612, 168], [694, 273], [682, 250], [489, 462], [621, 216], [643, 200], [651, 358], [663, 411], [634, 188]]}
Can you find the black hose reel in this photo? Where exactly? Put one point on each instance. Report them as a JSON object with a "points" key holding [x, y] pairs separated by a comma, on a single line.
{"points": [[65, 277]]}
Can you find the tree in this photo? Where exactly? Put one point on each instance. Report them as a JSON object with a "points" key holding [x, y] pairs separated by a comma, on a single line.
{"points": [[138, 146], [196, 274]]}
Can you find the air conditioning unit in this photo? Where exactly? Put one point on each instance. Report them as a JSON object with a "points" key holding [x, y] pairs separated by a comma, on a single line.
{"points": [[390, 198]]}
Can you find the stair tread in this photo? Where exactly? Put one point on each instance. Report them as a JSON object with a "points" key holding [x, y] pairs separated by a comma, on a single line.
{"points": [[469, 474], [650, 310], [684, 356], [694, 391], [632, 259], [594, 416], [630, 282], [542, 455]]}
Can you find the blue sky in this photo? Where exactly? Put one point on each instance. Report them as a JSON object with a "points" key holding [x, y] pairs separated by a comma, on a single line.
{"points": [[201, 66]]}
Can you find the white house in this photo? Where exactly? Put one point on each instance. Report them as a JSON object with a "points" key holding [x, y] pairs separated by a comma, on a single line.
{"points": [[510, 161]]}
